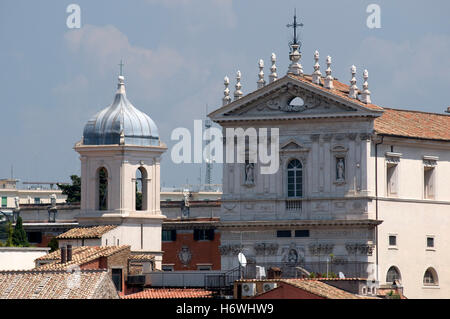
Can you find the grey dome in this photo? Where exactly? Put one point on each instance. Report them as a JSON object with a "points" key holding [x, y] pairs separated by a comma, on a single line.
{"points": [[121, 120]]}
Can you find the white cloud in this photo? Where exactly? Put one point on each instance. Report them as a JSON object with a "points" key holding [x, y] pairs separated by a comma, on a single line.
{"points": [[101, 48]]}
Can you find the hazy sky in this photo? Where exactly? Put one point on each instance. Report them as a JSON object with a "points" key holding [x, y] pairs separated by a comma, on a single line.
{"points": [[176, 53]]}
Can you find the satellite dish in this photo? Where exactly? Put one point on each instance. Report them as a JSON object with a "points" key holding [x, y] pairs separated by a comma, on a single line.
{"points": [[242, 259], [341, 275]]}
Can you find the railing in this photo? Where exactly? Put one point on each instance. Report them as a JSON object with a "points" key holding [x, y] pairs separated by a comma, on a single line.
{"points": [[349, 269], [293, 204], [223, 280]]}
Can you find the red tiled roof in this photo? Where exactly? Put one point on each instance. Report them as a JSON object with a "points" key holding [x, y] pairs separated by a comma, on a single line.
{"points": [[141, 257], [80, 256], [413, 124], [340, 89], [155, 293], [86, 232], [313, 286]]}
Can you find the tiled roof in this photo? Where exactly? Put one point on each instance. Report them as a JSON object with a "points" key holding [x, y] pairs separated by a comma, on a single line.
{"points": [[86, 232], [320, 288], [32, 284], [413, 124], [313, 286], [80, 256], [141, 257], [340, 89], [155, 293]]}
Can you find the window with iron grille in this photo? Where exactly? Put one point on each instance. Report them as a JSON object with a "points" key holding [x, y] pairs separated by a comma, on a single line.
{"points": [[393, 275], [295, 178]]}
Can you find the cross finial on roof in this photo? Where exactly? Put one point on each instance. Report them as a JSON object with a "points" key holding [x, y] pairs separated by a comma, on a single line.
{"points": [[295, 25], [121, 67]]}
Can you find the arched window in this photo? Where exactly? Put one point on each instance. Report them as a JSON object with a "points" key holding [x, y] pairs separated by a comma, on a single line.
{"points": [[295, 178], [102, 178], [430, 277], [141, 189], [393, 275]]}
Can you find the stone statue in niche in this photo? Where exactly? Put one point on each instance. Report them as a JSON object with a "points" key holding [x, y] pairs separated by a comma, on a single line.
{"points": [[340, 169], [249, 174]]}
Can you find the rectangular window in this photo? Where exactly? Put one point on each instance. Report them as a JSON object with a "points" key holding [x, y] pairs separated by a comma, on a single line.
{"points": [[428, 182], [430, 242], [204, 267], [34, 237], [169, 235], [391, 178], [37, 200], [117, 278], [167, 267], [392, 240], [302, 233], [284, 233], [4, 201], [203, 234]]}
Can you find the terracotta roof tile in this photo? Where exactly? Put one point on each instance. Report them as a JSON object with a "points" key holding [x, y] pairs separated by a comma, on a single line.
{"points": [[80, 256], [320, 288], [86, 232], [413, 124], [141, 257], [340, 89], [314, 286], [170, 294], [32, 284]]}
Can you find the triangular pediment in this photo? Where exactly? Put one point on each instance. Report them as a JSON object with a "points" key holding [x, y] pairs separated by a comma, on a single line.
{"points": [[291, 98]]}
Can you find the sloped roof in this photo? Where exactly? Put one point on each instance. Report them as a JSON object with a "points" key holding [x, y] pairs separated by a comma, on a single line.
{"points": [[86, 232], [170, 294], [313, 286], [80, 256], [340, 89], [413, 124], [320, 288], [35, 284], [141, 257]]}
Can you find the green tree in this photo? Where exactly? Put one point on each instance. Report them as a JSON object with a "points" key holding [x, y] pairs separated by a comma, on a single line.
{"points": [[53, 244], [19, 236], [9, 241], [72, 191]]}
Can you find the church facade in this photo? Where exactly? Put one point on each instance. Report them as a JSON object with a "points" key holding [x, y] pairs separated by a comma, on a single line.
{"points": [[361, 190]]}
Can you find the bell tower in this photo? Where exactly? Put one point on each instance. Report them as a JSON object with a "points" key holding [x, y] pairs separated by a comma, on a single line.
{"points": [[120, 154]]}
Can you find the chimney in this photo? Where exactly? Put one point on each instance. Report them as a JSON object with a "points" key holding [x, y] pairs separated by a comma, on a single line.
{"points": [[63, 255], [69, 253]]}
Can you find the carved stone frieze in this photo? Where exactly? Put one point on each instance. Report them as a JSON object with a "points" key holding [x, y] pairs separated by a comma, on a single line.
{"points": [[229, 250], [362, 249], [266, 249], [321, 249]]}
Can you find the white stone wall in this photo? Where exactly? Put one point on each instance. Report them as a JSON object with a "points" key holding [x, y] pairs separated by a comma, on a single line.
{"points": [[412, 218], [12, 258]]}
